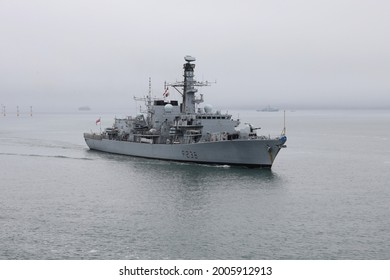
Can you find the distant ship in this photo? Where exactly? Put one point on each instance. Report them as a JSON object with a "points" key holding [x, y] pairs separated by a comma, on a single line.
{"points": [[268, 109], [84, 108], [187, 132]]}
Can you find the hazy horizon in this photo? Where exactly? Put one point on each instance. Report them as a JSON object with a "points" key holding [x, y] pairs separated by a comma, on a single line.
{"points": [[61, 55], [133, 109]]}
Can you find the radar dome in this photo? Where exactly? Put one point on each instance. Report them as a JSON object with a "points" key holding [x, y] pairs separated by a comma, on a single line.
{"points": [[189, 58], [208, 108], [168, 108]]}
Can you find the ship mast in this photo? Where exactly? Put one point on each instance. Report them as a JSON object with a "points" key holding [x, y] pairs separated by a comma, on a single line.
{"points": [[188, 85], [188, 89], [148, 103]]}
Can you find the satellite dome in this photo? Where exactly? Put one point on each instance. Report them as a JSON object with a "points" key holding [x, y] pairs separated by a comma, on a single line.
{"points": [[168, 108], [189, 58], [208, 108]]}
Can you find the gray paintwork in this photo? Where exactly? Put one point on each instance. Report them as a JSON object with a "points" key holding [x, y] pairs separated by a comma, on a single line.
{"points": [[187, 132]]}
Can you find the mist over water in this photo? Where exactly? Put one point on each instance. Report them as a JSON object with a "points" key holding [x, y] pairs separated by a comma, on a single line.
{"points": [[327, 195], [297, 54]]}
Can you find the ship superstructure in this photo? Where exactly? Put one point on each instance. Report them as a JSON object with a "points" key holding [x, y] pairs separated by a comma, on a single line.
{"points": [[185, 131]]}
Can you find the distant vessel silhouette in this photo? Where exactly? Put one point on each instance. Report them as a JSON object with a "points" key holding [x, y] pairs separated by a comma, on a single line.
{"points": [[268, 109], [84, 108]]}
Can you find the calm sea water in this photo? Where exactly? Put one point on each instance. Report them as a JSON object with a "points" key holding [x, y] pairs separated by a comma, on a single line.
{"points": [[326, 197]]}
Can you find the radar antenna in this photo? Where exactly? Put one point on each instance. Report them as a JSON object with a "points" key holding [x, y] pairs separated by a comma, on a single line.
{"points": [[189, 58]]}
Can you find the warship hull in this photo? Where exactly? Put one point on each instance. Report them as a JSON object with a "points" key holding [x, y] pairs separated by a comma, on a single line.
{"points": [[258, 153]]}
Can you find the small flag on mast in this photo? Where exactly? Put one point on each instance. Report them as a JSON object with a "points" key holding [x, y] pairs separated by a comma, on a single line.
{"points": [[166, 92], [97, 121]]}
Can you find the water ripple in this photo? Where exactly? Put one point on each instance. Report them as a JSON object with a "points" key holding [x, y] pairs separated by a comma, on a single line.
{"points": [[47, 156]]}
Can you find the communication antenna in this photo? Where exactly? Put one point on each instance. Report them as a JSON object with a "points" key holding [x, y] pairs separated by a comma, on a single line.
{"points": [[284, 123], [149, 102], [147, 99], [150, 87], [189, 58], [17, 111]]}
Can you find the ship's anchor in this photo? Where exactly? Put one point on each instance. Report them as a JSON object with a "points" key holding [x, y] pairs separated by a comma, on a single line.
{"points": [[269, 149]]}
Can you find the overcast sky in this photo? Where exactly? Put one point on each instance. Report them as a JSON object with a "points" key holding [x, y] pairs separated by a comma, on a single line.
{"points": [[100, 53]]}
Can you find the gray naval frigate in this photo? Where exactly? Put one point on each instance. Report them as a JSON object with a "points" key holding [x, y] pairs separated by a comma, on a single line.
{"points": [[187, 132]]}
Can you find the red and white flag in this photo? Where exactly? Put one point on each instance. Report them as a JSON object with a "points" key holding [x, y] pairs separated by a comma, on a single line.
{"points": [[166, 92], [97, 121]]}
